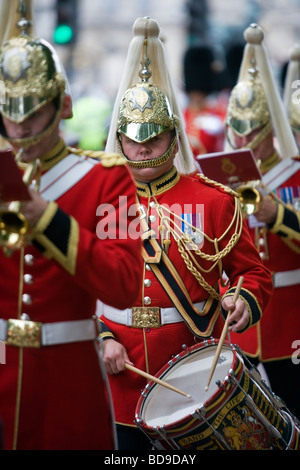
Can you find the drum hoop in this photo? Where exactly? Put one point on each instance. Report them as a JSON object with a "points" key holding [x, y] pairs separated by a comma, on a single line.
{"points": [[209, 404]]}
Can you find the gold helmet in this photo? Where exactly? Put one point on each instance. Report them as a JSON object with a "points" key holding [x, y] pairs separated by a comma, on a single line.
{"points": [[291, 89], [247, 107], [144, 113], [146, 104], [255, 102], [29, 71], [29, 68], [294, 115]]}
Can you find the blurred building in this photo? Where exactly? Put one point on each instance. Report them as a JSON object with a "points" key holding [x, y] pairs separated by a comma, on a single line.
{"points": [[105, 30]]}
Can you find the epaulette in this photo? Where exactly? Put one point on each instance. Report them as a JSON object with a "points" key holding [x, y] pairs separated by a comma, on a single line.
{"points": [[214, 183], [112, 159], [107, 159]]}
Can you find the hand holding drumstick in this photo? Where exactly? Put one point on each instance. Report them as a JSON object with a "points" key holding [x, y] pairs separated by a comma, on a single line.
{"points": [[224, 331], [115, 359]]}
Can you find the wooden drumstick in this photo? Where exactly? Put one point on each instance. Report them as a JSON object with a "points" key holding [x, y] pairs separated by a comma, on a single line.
{"points": [[155, 379], [224, 332]]}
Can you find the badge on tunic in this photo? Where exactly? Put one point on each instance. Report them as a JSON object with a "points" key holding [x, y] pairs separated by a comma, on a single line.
{"points": [[192, 225], [290, 195]]}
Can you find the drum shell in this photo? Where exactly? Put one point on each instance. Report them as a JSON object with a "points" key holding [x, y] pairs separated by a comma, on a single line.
{"points": [[241, 414]]}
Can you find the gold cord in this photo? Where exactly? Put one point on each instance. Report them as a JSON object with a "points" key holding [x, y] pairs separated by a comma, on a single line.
{"points": [[188, 249], [20, 371]]}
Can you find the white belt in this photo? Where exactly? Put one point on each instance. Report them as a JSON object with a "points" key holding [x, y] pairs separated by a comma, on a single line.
{"points": [[20, 332], [124, 317], [286, 278], [63, 176]]}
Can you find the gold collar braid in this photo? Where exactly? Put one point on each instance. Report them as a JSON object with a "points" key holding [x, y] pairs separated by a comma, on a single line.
{"points": [[158, 186], [55, 155], [270, 162], [51, 158]]}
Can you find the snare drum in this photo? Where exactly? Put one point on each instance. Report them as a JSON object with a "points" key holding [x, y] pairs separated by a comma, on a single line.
{"points": [[238, 412]]}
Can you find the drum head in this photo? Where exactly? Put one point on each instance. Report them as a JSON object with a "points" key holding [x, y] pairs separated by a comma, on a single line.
{"points": [[189, 374]]}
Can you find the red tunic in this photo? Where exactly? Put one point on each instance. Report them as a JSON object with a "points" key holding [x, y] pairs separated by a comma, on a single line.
{"points": [[273, 337], [151, 348], [56, 397], [205, 130]]}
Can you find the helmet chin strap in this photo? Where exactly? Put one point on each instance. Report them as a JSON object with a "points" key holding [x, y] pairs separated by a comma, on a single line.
{"points": [[154, 162], [27, 142], [257, 139]]}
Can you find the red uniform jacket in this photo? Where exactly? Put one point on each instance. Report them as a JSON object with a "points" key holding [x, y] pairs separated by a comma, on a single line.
{"points": [[205, 130], [211, 209], [276, 335], [56, 397]]}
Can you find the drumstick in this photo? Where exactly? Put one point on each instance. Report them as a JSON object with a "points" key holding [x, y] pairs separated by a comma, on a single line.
{"points": [[224, 332], [155, 379]]}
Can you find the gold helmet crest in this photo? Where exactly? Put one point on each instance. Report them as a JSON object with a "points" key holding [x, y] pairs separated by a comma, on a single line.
{"points": [[30, 74], [247, 107], [144, 113], [30, 71]]}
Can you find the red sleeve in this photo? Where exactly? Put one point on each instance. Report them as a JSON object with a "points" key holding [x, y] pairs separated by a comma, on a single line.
{"points": [[88, 233], [244, 260]]}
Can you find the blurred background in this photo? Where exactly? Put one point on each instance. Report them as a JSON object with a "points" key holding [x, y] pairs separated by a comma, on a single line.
{"points": [[92, 36]]}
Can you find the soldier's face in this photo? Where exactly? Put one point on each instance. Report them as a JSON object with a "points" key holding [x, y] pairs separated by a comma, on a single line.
{"points": [[33, 125], [263, 150], [152, 149]]}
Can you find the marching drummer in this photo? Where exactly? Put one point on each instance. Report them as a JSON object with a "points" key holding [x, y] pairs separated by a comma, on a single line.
{"points": [[192, 230]]}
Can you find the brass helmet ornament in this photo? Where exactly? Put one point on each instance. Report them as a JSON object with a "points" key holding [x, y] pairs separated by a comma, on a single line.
{"points": [[247, 106], [145, 112], [32, 76], [291, 94], [294, 115], [248, 110], [29, 73], [256, 101]]}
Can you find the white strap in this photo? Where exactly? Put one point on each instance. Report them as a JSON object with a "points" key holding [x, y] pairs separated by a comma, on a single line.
{"points": [[68, 332], [286, 278], [124, 317], [63, 176], [61, 332], [3, 329], [280, 173]]}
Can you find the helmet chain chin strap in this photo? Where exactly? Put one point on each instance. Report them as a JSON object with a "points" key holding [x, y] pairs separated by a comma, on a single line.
{"points": [[154, 162], [27, 142], [260, 136]]}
